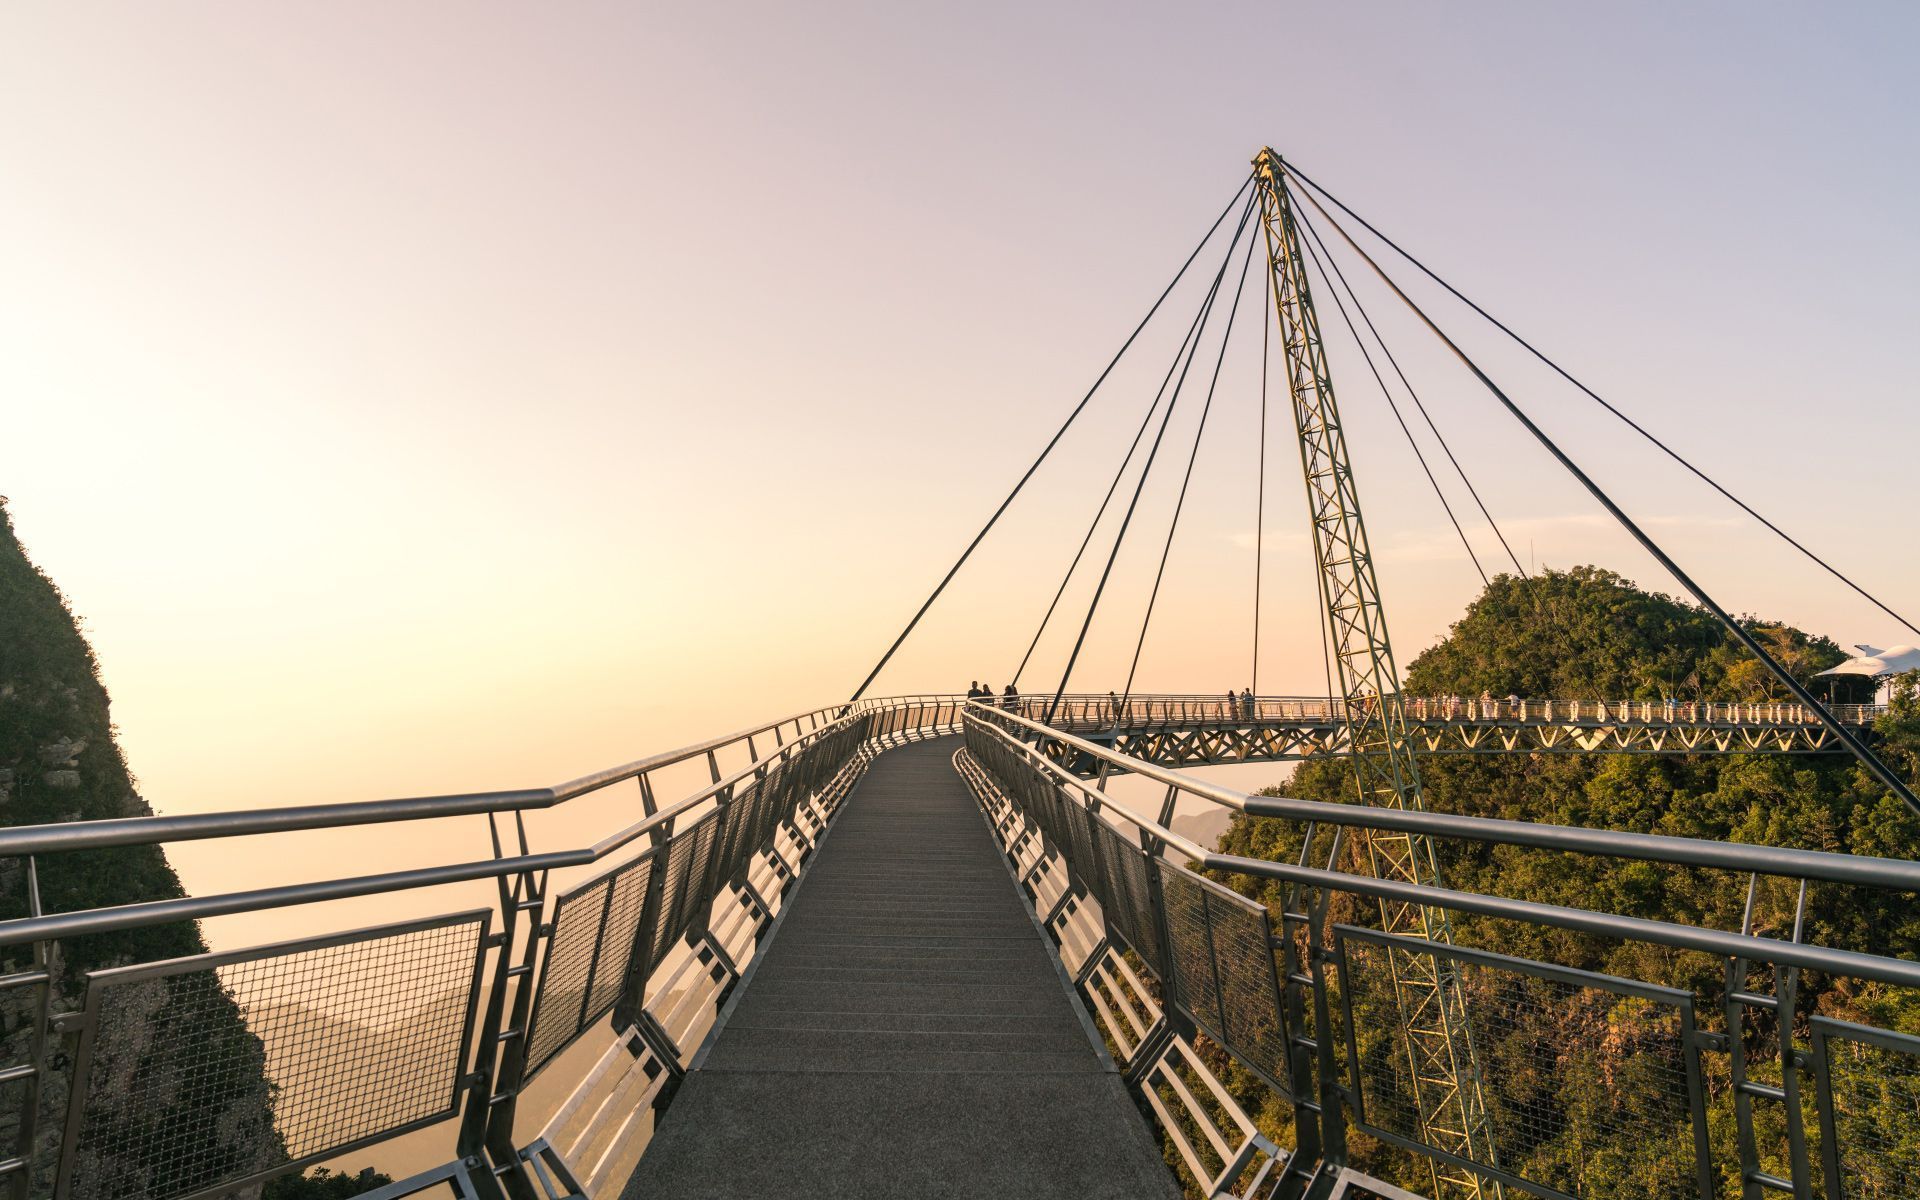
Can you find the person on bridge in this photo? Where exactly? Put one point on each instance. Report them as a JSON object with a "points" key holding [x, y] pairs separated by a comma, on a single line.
{"points": [[1113, 706], [973, 690], [1011, 698], [1246, 702]]}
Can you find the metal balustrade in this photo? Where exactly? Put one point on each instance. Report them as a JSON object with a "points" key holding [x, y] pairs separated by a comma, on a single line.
{"points": [[1685, 1089], [1079, 711], [309, 1049], [1177, 730]]}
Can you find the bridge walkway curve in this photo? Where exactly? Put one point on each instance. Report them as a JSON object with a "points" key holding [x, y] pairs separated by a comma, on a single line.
{"points": [[906, 1032]]}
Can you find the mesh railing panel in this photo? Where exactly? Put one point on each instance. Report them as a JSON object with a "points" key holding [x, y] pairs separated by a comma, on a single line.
{"points": [[1127, 902], [624, 910], [1079, 850], [679, 852], [1189, 948], [1584, 1076], [1875, 1092], [568, 971], [698, 892], [592, 941], [1221, 961], [736, 826], [1249, 988], [355, 1040]]}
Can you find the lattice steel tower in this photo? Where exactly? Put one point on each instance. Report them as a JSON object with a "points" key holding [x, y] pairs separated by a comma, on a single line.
{"points": [[1436, 1039]]}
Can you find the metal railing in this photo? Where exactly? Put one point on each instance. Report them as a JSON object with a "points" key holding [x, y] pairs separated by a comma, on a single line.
{"points": [[1191, 730], [197, 1076], [1598, 1084], [1088, 711]]}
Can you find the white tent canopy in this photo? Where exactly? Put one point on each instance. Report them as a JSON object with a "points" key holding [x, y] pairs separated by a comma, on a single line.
{"points": [[1877, 664]]}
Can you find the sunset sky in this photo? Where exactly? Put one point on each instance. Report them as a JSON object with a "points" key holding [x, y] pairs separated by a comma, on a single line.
{"points": [[429, 397]]}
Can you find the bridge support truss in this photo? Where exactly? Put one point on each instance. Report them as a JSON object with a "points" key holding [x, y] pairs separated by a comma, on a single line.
{"points": [[1437, 1041]]}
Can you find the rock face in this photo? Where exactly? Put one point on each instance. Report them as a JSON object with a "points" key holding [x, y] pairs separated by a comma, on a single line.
{"points": [[59, 762]]}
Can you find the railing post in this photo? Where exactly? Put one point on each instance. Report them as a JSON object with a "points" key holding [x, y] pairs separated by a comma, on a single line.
{"points": [[31, 1086], [630, 1008], [1332, 1098], [500, 1049]]}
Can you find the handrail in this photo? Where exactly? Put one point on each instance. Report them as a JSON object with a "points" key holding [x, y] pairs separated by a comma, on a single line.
{"points": [[1769, 860], [1421, 709], [1897, 971], [161, 912], [140, 831], [1301, 1001]]}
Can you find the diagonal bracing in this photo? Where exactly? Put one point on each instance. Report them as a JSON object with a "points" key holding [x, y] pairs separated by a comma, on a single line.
{"points": [[1436, 1039]]}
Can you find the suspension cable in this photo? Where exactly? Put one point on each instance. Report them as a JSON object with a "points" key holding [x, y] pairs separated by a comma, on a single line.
{"points": [[1051, 443], [1173, 525], [1868, 759], [1147, 469], [1326, 278], [1192, 331], [1314, 235], [1669, 451]]}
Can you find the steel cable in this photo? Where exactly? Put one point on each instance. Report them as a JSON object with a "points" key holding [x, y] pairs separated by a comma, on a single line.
{"points": [[1669, 451], [1173, 525], [1314, 235], [1047, 450], [1147, 470], [1193, 329], [1868, 759], [1327, 279]]}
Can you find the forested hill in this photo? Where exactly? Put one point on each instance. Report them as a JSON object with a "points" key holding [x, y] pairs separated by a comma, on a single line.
{"points": [[1589, 634], [59, 762]]}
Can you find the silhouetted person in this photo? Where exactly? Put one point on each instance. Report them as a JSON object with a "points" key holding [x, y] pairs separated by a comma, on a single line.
{"points": [[1246, 701], [973, 690], [1113, 706], [1011, 698]]}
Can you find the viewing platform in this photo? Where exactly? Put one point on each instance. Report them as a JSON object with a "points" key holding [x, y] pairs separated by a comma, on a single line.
{"points": [[907, 1031]]}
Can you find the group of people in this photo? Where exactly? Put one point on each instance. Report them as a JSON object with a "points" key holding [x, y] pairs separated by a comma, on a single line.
{"points": [[1451, 706], [1241, 704], [984, 691]]}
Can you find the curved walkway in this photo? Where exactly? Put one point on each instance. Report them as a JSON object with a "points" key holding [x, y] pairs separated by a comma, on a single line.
{"points": [[907, 1033]]}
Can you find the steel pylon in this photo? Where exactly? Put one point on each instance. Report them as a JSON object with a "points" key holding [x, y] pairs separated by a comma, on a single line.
{"points": [[1436, 1038]]}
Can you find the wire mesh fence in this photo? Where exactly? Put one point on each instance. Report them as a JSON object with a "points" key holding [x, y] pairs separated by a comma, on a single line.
{"points": [[1221, 970], [1870, 1110], [1588, 1079], [594, 928], [1125, 893], [207, 1071]]}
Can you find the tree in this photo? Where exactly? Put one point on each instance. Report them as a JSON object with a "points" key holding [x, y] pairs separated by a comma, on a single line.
{"points": [[1562, 1069], [324, 1185]]}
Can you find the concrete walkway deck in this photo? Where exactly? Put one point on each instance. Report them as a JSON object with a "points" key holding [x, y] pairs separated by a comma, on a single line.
{"points": [[907, 1033]]}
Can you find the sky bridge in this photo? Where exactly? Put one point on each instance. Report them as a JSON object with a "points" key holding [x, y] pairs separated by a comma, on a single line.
{"points": [[924, 944], [904, 948]]}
